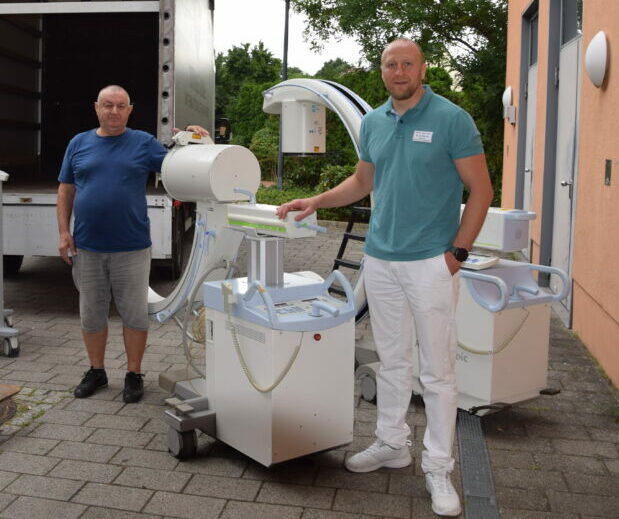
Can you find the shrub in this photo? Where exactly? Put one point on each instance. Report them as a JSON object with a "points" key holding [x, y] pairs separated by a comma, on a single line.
{"points": [[331, 176]]}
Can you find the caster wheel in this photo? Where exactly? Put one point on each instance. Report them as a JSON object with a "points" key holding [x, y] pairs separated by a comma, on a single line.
{"points": [[10, 347], [368, 388], [182, 445]]}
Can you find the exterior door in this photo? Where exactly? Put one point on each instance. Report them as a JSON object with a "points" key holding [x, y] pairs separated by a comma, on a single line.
{"points": [[530, 45], [567, 160], [529, 163]]}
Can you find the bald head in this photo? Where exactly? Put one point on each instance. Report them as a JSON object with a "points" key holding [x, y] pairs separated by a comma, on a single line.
{"points": [[403, 43], [113, 89]]}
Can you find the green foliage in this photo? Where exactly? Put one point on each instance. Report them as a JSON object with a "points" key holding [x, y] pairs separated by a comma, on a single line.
{"points": [[331, 176], [274, 196], [367, 84], [245, 112], [239, 66], [333, 69], [469, 36], [303, 171], [264, 145], [441, 83]]}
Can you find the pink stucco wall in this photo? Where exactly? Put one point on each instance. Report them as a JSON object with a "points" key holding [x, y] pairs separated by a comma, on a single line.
{"points": [[596, 239], [596, 232]]}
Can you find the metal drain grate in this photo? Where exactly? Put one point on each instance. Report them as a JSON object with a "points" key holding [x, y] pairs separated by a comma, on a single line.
{"points": [[477, 484]]}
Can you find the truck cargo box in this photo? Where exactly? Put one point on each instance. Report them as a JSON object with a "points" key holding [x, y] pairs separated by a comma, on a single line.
{"points": [[55, 57]]}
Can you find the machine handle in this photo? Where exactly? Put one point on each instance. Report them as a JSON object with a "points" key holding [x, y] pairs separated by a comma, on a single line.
{"points": [[521, 288], [565, 289], [350, 296], [317, 306], [266, 297], [310, 226], [494, 280], [249, 194]]}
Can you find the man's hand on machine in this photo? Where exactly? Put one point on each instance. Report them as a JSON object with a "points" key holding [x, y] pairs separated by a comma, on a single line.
{"points": [[306, 205], [66, 245], [194, 128]]}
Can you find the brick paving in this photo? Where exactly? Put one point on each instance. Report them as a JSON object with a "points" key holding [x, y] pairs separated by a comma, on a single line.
{"points": [[553, 457]]}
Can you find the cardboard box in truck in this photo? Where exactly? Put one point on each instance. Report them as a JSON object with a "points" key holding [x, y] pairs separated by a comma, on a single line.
{"points": [[55, 57]]}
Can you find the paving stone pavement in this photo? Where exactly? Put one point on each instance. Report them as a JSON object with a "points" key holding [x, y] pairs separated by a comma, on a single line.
{"points": [[553, 457]]}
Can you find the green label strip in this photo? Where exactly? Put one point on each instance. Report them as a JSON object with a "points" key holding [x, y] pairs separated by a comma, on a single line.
{"points": [[261, 226]]}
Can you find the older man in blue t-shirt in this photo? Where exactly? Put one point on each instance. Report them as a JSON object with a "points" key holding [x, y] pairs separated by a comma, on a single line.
{"points": [[417, 152], [103, 182]]}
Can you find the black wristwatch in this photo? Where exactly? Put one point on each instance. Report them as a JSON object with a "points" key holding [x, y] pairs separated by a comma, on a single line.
{"points": [[460, 253]]}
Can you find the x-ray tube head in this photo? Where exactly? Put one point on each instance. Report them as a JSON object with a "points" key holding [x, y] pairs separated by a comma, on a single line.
{"points": [[210, 173]]}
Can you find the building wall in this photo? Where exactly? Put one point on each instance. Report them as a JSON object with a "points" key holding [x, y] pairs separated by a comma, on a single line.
{"points": [[510, 146], [596, 229], [510, 141], [596, 235]]}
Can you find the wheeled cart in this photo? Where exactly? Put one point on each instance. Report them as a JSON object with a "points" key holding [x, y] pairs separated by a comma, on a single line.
{"points": [[278, 381]]}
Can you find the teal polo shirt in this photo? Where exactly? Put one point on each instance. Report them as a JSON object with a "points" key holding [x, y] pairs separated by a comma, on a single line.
{"points": [[417, 189]]}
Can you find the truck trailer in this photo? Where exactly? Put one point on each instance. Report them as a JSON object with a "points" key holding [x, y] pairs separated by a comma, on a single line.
{"points": [[55, 57]]}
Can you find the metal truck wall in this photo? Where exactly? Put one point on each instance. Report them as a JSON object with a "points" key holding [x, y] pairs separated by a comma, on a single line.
{"points": [[187, 63]]}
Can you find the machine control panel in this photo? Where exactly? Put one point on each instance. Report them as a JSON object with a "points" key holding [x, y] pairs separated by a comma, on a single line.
{"points": [[301, 306]]}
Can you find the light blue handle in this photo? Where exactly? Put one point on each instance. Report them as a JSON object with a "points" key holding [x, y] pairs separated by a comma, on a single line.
{"points": [[520, 288], [350, 296], [252, 196], [493, 280], [310, 226], [565, 289], [317, 306], [266, 297]]}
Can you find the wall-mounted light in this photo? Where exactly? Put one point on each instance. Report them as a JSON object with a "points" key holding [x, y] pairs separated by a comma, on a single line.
{"points": [[509, 110], [596, 59]]}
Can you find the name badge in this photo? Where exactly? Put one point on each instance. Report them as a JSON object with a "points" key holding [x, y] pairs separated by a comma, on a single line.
{"points": [[419, 136]]}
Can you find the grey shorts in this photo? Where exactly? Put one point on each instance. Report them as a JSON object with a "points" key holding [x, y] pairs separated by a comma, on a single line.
{"points": [[99, 276]]}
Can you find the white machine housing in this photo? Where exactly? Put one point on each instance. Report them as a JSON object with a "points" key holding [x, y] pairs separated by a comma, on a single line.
{"points": [[210, 173], [504, 229], [303, 127], [279, 377], [503, 322], [312, 408]]}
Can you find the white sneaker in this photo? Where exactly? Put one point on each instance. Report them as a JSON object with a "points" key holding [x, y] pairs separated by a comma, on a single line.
{"points": [[445, 500], [378, 455]]}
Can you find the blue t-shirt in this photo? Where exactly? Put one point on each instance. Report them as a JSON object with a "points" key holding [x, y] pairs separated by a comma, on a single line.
{"points": [[417, 189], [110, 175]]}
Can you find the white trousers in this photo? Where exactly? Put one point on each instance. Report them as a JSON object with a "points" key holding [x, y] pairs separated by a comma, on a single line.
{"points": [[409, 299]]}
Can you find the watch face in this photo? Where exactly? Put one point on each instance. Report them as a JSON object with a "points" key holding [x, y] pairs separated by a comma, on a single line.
{"points": [[460, 253]]}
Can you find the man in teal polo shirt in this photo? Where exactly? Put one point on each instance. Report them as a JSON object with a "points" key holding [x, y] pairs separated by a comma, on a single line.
{"points": [[417, 153]]}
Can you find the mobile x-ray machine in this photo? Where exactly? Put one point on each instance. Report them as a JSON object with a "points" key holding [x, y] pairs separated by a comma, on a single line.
{"points": [[269, 334]]}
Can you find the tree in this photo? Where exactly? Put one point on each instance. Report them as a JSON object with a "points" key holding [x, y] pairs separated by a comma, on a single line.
{"points": [[245, 112], [264, 145], [333, 69], [467, 36], [239, 66]]}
